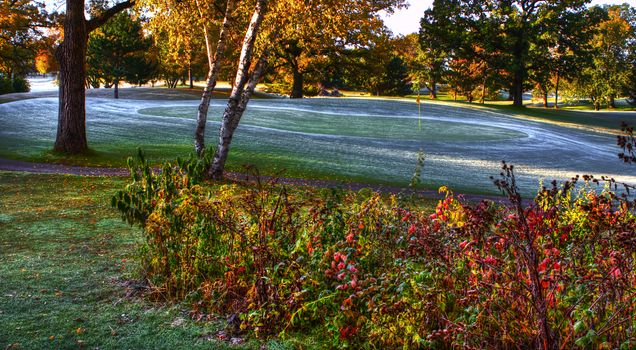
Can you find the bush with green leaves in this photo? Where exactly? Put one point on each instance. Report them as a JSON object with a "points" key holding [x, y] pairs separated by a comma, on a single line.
{"points": [[371, 271], [18, 84]]}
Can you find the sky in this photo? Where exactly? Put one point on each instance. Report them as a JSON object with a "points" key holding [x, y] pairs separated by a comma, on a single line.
{"points": [[402, 22], [408, 20]]}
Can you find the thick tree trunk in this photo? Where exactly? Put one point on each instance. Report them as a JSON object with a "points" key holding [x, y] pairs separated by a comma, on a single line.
{"points": [[433, 90], [240, 96], [611, 104], [214, 63], [116, 88], [297, 84], [71, 54], [519, 72]]}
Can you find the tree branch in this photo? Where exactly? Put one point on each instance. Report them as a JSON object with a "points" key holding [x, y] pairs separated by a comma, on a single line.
{"points": [[96, 22]]}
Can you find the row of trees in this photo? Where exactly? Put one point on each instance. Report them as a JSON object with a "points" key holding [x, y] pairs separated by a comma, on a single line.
{"points": [[475, 49], [169, 47], [548, 46], [117, 52], [276, 32]]}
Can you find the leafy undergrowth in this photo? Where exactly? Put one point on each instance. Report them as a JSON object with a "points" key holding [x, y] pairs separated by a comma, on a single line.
{"points": [[68, 273], [371, 272]]}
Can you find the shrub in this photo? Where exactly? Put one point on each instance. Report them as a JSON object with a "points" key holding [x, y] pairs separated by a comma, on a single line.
{"points": [[5, 86], [371, 272], [20, 84]]}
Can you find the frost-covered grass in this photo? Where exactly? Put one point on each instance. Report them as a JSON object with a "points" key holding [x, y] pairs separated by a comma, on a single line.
{"points": [[63, 254], [364, 140], [65, 257]]}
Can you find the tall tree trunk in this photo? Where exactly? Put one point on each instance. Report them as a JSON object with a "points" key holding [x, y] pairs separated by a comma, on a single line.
{"points": [[214, 64], [556, 91], [240, 96], [297, 84], [433, 90], [519, 73], [232, 115], [116, 88], [517, 90], [545, 99], [611, 104], [190, 77], [71, 54]]}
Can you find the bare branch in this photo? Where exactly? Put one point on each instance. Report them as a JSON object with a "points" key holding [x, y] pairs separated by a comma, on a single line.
{"points": [[96, 22]]}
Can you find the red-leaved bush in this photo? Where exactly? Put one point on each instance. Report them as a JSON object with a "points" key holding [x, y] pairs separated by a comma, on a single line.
{"points": [[373, 272]]}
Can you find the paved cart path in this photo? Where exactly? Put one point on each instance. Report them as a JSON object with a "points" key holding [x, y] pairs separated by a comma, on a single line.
{"points": [[53, 168]]}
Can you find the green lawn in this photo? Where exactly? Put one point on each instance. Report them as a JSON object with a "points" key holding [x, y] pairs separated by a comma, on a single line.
{"points": [[65, 261], [367, 140], [575, 115]]}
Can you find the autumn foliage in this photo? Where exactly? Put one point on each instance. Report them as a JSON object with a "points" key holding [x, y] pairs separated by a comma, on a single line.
{"points": [[372, 272]]}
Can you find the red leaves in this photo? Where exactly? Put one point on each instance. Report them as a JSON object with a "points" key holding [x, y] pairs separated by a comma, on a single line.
{"points": [[473, 272], [544, 265], [347, 332], [337, 256], [490, 260]]}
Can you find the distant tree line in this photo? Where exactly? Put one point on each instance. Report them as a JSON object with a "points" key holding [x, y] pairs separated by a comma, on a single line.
{"points": [[551, 47], [556, 49]]}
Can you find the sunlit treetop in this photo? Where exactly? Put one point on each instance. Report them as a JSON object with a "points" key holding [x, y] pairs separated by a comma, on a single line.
{"points": [[21, 23]]}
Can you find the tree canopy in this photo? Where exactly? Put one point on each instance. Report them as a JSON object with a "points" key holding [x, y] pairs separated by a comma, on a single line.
{"points": [[118, 52]]}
